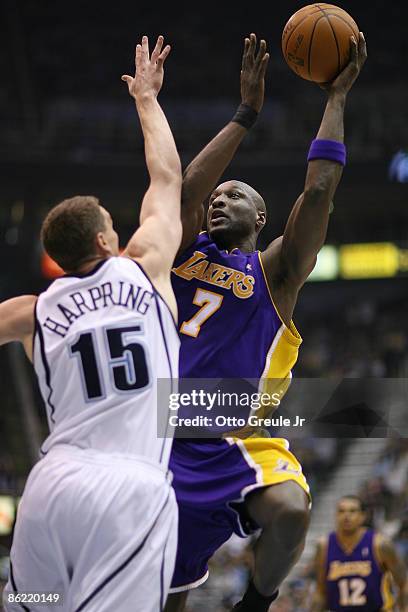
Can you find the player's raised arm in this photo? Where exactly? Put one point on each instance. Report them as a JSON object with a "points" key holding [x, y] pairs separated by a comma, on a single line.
{"points": [[319, 596], [289, 261], [17, 320], [393, 563], [157, 240], [202, 174]]}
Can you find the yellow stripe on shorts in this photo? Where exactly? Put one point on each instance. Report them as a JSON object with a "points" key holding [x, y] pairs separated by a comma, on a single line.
{"points": [[273, 462]]}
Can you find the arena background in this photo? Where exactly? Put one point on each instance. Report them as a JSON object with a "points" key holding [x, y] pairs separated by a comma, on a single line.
{"points": [[69, 127]]}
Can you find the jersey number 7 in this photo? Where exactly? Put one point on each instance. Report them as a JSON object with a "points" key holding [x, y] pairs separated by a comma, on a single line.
{"points": [[210, 302]]}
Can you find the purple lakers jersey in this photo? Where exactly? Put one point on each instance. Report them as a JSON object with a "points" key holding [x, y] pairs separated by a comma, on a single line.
{"points": [[355, 581], [229, 326]]}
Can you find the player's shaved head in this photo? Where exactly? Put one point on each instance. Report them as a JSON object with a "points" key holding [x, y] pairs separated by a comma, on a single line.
{"points": [[256, 197], [236, 215]]}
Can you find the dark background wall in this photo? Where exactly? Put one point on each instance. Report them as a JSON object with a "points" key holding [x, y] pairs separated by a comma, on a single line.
{"points": [[68, 125]]}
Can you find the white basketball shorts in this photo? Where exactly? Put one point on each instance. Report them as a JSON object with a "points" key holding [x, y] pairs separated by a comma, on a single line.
{"points": [[99, 529]]}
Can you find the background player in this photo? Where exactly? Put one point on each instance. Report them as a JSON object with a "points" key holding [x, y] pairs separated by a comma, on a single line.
{"points": [[236, 321], [97, 522], [356, 567]]}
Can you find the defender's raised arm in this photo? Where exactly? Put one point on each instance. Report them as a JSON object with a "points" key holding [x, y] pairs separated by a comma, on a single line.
{"points": [[157, 240]]}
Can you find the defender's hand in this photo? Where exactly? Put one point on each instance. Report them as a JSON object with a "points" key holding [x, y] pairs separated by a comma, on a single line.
{"points": [[253, 73], [344, 81], [148, 78]]}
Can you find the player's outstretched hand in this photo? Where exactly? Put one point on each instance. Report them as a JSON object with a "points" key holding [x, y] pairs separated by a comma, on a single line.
{"points": [[148, 78], [358, 55], [253, 73]]}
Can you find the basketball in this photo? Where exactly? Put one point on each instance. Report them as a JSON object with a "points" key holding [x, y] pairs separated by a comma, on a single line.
{"points": [[316, 41]]}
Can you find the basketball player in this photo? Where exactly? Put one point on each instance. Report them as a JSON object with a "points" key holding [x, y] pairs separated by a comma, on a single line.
{"points": [[356, 566], [97, 523], [236, 307]]}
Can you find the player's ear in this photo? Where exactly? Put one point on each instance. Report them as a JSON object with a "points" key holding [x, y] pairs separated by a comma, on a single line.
{"points": [[101, 244], [260, 220]]}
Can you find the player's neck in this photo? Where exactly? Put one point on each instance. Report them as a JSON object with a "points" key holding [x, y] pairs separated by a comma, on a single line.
{"points": [[87, 266], [348, 540], [246, 245]]}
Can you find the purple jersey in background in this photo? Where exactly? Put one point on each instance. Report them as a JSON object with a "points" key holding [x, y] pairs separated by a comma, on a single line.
{"points": [[355, 581]]}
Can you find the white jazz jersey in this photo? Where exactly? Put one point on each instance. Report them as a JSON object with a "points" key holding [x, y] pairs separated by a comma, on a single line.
{"points": [[101, 342]]}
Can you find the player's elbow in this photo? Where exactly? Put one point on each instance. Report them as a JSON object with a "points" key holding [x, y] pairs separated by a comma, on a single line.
{"points": [[174, 233], [177, 230], [316, 192], [169, 175], [165, 169], [174, 169], [320, 186]]}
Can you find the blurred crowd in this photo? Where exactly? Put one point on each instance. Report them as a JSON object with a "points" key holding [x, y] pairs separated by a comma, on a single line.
{"points": [[63, 84], [385, 494], [366, 340]]}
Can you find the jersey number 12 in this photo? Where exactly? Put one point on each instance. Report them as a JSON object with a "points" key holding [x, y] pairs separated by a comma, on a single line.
{"points": [[352, 592]]}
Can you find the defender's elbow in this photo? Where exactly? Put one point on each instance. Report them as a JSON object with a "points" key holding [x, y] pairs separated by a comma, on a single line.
{"points": [[173, 174], [175, 233]]}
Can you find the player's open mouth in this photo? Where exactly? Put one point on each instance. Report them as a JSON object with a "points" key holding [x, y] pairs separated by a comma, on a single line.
{"points": [[218, 214]]}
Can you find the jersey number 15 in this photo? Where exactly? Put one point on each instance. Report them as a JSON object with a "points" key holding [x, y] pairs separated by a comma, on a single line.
{"points": [[126, 358]]}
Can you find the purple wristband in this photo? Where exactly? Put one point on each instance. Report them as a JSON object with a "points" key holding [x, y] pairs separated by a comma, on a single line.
{"points": [[327, 149]]}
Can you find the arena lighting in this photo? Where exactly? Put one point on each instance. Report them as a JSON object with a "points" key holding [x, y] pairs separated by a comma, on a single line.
{"points": [[327, 265], [370, 260], [50, 269], [348, 262], [7, 513], [398, 167]]}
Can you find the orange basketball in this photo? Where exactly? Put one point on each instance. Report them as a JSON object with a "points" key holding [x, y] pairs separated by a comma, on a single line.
{"points": [[316, 41]]}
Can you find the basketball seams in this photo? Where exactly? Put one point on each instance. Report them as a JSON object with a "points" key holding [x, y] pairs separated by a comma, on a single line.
{"points": [[356, 36], [335, 39], [309, 53], [328, 14], [296, 27], [339, 15]]}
